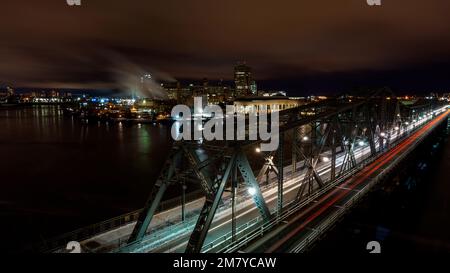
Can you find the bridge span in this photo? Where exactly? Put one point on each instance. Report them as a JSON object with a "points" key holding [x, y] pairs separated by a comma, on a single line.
{"points": [[300, 230], [338, 149]]}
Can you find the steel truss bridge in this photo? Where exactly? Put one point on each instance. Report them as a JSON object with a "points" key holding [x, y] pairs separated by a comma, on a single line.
{"points": [[250, 198]]}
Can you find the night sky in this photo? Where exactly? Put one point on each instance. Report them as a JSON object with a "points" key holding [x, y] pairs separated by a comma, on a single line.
{"points": [[303, 46]]}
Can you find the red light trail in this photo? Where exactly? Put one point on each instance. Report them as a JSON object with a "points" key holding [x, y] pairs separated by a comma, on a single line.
{"points": [[353, 182]]}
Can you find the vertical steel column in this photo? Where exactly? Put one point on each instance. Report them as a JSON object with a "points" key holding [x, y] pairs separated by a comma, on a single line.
{"points": [[234, 183], [295, 138], [280, 175], [333, 124]]}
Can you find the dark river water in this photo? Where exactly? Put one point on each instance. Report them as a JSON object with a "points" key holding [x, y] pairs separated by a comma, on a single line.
{"points": [[57, 174]]}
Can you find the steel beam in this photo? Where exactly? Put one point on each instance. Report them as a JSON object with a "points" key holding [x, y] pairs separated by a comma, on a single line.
{"points": [[280, 175], [208, 211], [193, 158], [146, 216], [249, 178]]}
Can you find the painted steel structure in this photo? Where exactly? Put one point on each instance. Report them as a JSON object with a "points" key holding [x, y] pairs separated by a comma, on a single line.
{"points": [[335, 125]]}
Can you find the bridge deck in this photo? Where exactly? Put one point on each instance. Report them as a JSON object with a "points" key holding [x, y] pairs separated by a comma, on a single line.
{"points": [[171, 235], [300, 230]]}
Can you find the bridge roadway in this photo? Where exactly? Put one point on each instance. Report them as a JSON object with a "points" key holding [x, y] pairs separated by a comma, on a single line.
{"points": [[297, 232], [173, 238]]}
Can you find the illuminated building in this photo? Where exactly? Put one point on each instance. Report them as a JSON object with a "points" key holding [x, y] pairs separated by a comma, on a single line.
{"points": [[272, 103], [244, 83], [212, 92]]}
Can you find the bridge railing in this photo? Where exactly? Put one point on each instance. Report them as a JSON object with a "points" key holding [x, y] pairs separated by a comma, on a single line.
{"points": [[150, 242], [255, 227], [327, 223], [156, 238], [107, 225], [168, 227], [252, 231]]}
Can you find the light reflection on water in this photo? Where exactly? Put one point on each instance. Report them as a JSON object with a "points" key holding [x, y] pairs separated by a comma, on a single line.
{"points": [[58, 174]]}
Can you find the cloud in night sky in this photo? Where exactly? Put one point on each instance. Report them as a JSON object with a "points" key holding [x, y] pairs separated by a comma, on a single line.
{"points": [[49, 44]]}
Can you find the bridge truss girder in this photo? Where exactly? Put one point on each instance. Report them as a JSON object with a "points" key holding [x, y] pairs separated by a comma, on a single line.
{"points": [[335, 126]]}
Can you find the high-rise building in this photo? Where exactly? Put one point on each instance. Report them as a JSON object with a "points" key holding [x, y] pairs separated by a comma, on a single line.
{"points": [[245, 85]]}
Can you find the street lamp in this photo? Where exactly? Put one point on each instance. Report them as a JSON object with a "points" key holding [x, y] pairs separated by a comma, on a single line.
{"points": [[325, 159], [258, 150], [305, 138], [383, 134], [251, 191], [361, 143]]}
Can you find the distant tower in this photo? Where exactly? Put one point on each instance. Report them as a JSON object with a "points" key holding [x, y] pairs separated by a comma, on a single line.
{"points": [[245, 85]]}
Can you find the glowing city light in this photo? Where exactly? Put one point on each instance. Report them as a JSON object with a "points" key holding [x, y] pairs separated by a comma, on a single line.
{"points": [[251, 191]]}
